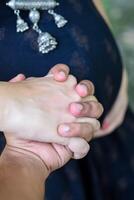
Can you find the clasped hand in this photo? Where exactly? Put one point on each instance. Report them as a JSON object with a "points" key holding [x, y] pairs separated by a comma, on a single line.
{"points": [[52, 110]]}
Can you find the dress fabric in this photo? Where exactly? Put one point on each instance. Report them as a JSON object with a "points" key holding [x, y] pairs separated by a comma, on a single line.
{"points": [[87, 45]]}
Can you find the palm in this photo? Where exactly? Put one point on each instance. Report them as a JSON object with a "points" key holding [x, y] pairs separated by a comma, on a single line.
{"points": [[53, 155]]}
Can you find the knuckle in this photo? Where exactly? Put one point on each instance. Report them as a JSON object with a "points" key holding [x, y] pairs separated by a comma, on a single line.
{"points": [[72, 79], [64, 67], [86, 109], [59, 67], [85, 130], [77, 130], [95, 124], [90, 86], [90, 128], [96, 109], [76, 97], [99, 110], [92, 98], [90, 137], [89, 133]]}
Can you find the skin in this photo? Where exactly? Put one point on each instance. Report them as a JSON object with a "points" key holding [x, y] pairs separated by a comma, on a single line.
{"points": [[12, 158], [117, 113], [26, 164], [91, 108], [75, 144], [22, 175], [42, 114]]}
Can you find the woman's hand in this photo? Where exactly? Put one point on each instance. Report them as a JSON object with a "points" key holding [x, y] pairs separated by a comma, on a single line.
{"points": [[32, 103], [116, 115]]}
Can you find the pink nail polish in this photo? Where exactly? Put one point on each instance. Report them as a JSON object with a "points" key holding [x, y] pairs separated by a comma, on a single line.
{"points": [[105, 125]]}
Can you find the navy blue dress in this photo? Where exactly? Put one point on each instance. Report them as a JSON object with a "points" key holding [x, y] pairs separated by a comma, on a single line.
{"points": [[88, 47]]}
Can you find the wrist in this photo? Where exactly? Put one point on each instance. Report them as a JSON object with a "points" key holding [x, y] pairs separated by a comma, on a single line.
{"points": [[22, 174], [26, 161]]}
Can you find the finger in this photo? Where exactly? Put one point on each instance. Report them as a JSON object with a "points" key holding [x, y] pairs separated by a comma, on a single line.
{"points": [[64, 153], [95, 123], [60, 72], [100, 133], [103, 132], [89, 98], [72, 82], [78, 156], [85, 88], [83, 127], [83, 130], [19, 77], [109, 126], [79, 147], [86, 109]]}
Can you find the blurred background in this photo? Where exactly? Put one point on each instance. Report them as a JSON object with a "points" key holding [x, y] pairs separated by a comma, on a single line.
{"points": [[121, 14]]}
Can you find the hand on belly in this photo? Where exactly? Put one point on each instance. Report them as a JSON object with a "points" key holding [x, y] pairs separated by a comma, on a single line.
{"points": [[116, 116]]}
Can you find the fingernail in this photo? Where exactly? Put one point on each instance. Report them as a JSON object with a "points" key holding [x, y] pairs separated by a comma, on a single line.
{"points": [[83, 88], [79, 107], [64, 129], [62, 74], [105, 125]]}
